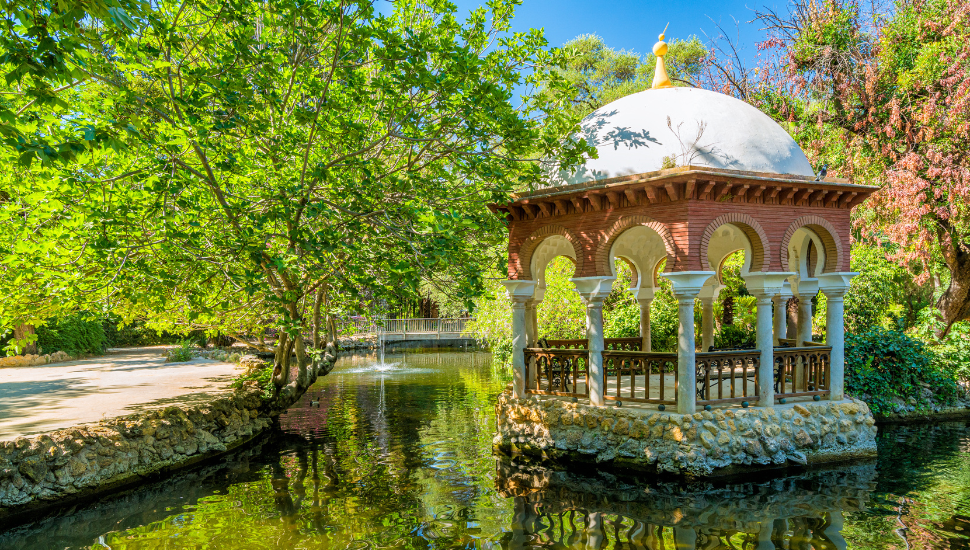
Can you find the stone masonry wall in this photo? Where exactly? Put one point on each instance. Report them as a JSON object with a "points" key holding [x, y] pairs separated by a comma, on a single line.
{"points": [[718, 442], [86, 459]]}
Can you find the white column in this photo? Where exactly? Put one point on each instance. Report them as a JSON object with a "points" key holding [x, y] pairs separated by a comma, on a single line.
{"points": [[707, 323], [836, 522], [707, 296], [686, 286], [594, 290], [596, 531], [834, 286], [520, 291], [764, 286], [644, 297], [685, 538], [806, 289], [781, 313], [532, 329]]}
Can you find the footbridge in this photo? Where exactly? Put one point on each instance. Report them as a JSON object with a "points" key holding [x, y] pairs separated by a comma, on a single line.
{"points": [[454, 328]]}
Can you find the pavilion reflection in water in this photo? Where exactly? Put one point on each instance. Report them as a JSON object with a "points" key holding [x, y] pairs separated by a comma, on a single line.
{"points": [[562, 509]]}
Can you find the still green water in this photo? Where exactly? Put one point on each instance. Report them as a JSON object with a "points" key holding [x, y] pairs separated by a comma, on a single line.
{"points": [[398, 455]]}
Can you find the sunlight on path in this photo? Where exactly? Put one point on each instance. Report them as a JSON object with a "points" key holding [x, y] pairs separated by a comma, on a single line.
{"points": [[50, 397]]}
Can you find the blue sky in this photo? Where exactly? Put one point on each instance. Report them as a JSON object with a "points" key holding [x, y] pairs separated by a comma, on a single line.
{"points": [[635, 24]]}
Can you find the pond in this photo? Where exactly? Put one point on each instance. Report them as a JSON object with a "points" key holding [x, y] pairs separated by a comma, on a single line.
{"points": [[398, 455]]}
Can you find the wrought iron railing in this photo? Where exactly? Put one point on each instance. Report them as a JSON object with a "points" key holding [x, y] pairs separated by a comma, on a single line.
{"points": [[557, 372], [802, 371], [577, 343], [723, 377], [641, 377], [627, 344], [727, 376]]}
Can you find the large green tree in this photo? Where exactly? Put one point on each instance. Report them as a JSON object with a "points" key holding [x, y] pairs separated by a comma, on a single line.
{"points": [[251, 165]]}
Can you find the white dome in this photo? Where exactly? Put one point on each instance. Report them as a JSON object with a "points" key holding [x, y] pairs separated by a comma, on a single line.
{"points": [[632, 136]]}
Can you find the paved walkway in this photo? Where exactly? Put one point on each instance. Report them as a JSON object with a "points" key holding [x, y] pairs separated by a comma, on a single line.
{"points": [[123, 381]]}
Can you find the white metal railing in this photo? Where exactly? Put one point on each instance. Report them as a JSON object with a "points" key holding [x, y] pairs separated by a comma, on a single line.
{"points": [[404, 327]]}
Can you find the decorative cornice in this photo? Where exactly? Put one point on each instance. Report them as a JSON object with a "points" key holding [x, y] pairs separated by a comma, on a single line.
{"points": [[685, 183]]}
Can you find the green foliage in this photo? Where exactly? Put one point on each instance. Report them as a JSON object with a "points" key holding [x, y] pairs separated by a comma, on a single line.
{"points": [[885, 367], [180, 353], [884, 294], [120, 334], [735, 336], [953, 350], [953, 353], [262, 377], [561, 314], [664, 320], [77, 334]]}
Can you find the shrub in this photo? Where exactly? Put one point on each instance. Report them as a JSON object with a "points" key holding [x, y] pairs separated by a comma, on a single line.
{"points": [[75, 334], [181, 353], [134, 334], [953, 353], [735, 336], [263, 378], [885, 367]]}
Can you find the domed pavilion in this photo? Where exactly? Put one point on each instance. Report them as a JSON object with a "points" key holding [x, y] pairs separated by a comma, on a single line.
{"points": [[684, 178]]}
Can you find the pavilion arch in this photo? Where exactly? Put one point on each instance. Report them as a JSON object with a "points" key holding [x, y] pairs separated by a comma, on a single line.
{"points": [[729, 233], [808, 230], [642, 242], [545, 244]]}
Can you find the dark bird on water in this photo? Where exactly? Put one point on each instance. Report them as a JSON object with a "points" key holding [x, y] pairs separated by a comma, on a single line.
{"points": [[822, 172]]}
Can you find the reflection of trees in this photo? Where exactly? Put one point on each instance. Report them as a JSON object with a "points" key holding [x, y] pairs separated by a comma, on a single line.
{"points": [[560, 509]]}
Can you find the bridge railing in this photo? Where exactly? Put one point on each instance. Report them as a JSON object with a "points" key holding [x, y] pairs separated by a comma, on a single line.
{"points": [[403, 327]]}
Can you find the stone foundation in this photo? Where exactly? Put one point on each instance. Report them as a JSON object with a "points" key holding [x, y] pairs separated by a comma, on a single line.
{"points": [[78, 462], [719, 442]]}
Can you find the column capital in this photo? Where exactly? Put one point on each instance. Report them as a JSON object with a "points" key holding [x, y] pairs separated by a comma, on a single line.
{"points": [[835, 285], [710, 292], [644, 294], [520, 290], [765, 285], [804, 288], [785, 293], [687, 284], [593, 289]]}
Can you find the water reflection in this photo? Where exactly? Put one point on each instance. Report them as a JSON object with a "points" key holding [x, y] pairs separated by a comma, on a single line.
{"points": [[565, 509], [401, 457]]}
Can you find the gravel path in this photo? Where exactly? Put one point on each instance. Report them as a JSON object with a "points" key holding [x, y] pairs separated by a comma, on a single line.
{"points": [[123, 381]]}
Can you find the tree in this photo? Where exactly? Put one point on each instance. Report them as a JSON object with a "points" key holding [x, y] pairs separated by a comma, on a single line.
{"points": [[278, 157], [882, 98], [599, 74]]}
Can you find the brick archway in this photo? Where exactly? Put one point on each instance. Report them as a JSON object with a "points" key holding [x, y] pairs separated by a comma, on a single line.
{"points": [[826, 232], [523, 263], [760, 249], [602, 256]]}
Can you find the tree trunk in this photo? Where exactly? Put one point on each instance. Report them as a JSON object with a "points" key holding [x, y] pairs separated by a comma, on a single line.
{"points": [[954, 303], [727, 316], [288, 391], [22, 332], [791, 311]]}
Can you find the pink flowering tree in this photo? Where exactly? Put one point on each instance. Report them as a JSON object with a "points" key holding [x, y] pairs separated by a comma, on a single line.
{"points": [[883, 97]]}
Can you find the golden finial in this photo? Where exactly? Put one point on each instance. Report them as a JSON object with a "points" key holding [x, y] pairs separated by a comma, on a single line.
{"points": [[660, 78]]}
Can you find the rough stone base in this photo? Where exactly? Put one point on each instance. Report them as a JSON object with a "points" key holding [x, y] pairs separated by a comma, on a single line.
{"points": [[90, 459], [715, 443]]}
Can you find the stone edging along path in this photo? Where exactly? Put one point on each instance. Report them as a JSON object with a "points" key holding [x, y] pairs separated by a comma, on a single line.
{"points": [[64, 466]]}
